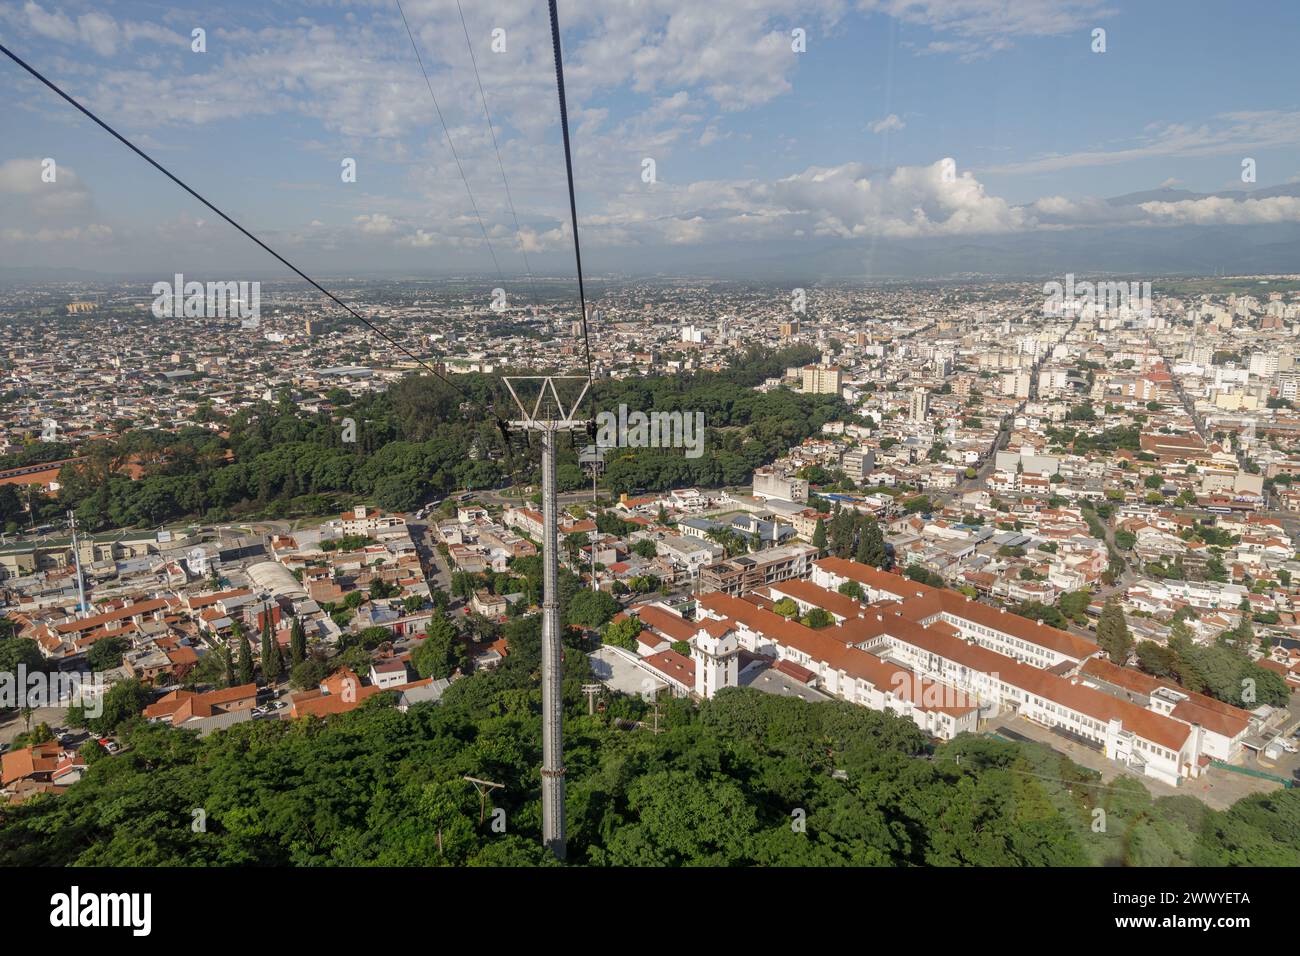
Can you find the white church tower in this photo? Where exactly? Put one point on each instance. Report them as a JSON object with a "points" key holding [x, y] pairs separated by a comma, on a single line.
{"points": [[715, 649]]}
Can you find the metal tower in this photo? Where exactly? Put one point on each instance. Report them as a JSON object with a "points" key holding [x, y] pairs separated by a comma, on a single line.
{"points": [[76, 557], [547, 415]]}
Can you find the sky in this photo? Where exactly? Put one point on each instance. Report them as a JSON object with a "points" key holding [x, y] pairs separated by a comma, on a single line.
{"points": [[896, 123]]}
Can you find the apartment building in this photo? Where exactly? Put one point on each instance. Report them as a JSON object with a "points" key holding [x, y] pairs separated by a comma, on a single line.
{"points": [[746, 572], [821, 379], [771, 481]]}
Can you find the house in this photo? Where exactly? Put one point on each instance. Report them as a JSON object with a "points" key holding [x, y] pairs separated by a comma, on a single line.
{"points": [[488, 604], [388, 674], [35, 763], [181, 706]]}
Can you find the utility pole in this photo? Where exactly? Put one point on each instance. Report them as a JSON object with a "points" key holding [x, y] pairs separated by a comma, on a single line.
{"points": [[484, 787], [548, 415]]}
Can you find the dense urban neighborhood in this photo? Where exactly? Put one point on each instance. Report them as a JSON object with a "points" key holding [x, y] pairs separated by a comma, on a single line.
{"points": [[1060, 534]]}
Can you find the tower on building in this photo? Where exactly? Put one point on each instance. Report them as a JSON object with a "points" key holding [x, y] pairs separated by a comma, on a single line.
{"points": [[716, 651]]}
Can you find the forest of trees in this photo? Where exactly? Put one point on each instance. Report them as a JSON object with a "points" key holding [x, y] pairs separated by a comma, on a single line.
{"points": [[744, 779], [416, 440]]}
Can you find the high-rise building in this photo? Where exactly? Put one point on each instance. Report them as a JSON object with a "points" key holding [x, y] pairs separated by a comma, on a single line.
{"points": [[822, 380], [920, 405]]}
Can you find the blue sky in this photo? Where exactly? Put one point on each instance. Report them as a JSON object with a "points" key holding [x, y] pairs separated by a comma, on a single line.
{"points": [[754, 145]]}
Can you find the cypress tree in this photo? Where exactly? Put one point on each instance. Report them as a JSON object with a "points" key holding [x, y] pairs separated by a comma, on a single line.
{"points": [[272, 662], [245, 672], [297, 642], [871, 545], [264, 652], [819, 536]]}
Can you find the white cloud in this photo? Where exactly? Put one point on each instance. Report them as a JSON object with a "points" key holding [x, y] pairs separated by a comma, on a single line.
{"points": [[890, 124], [377, 224], [994, 18], [95, 232], [1219, 210], [96, 29], [1227, 133]]}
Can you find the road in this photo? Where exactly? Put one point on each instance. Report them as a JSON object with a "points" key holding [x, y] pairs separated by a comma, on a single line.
{"points": [[435, 566]]}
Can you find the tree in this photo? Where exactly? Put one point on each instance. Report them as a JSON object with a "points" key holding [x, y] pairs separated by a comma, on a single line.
{"points": [[20, 650], [272, 662], [244, 672], [1156, 660], [297, 642], [91, 751], [917, 503], [264, 651], [573, 544], [39, 734], [307, 674], [853, 589], [463, 584], [622, 633], [1241, 637], [441, 651], [819, 536], [786, 607], [924, 575], [590, 609], [1074, 604], [124, 701], [1113, 634], [106, 653], [818, 617]]}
